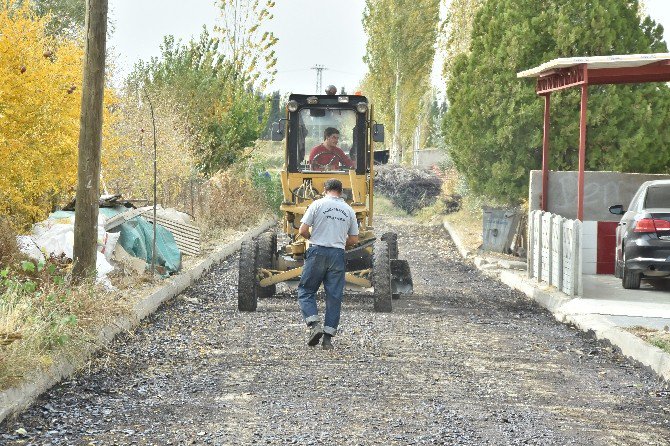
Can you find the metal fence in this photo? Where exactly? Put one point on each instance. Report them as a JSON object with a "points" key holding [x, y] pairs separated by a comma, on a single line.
{"points": [[554, 251]]}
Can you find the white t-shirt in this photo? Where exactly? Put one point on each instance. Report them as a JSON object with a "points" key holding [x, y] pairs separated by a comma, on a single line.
{"points": [[332, 220]]}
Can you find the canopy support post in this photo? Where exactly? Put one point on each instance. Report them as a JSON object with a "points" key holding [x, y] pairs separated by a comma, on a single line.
{"points": [[545, 153], [582, 145]]}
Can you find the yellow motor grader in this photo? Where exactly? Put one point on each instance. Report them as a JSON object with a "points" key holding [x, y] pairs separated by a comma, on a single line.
{"points": [[373, 263]]}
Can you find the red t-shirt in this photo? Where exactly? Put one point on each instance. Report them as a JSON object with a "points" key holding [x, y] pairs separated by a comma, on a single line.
{"points": [[323, 158]]}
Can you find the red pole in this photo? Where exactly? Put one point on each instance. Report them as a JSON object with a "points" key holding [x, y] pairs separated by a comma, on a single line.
{"points": [[582, 146], [545, 153]]}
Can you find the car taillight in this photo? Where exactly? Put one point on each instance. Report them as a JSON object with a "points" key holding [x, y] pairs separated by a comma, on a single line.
{"points": [[652, 225]]}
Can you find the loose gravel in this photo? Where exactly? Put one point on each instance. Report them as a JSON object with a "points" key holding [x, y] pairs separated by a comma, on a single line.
{"points": [[463, 361]]}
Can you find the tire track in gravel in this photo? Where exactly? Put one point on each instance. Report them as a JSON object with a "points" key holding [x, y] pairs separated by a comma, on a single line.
{"points": [[465, 360]]}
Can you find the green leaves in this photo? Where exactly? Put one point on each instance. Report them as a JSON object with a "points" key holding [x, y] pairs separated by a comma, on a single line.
{"points": [[494, 122], [399, 55], [28, 266], [213, 83]]}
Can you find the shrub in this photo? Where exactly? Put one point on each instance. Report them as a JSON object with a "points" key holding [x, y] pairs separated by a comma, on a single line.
{"points": [[230, 201], [410, 189], [266, 181]]}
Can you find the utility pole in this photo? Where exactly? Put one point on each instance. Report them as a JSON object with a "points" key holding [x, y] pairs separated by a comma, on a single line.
{"points": [[319, 77], [90, 141]]}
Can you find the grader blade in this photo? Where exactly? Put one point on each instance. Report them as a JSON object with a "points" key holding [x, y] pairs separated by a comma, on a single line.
{"points": [[401, 277]]}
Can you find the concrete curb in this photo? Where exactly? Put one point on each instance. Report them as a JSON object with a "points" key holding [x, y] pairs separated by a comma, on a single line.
{"points": [[630, 345], [15, 399], [457, 240]]}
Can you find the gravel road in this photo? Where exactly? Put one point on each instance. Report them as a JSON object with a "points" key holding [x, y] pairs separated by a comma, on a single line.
{"points": [[463, 361]]}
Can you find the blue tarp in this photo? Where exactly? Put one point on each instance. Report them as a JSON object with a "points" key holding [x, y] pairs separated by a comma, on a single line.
{"points": [[136, 238]]}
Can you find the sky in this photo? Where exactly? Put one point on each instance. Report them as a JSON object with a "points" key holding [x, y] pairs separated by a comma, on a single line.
{"points": [[310, 33]]}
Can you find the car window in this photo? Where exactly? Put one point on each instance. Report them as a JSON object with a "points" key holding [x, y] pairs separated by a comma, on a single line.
{"points": [[657, 196]]}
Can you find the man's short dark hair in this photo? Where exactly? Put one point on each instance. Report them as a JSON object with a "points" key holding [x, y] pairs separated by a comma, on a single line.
{"points": [[334, 185], [330, 131]]}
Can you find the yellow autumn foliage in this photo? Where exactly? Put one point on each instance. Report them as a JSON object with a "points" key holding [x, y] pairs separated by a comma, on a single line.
{"points": [[40, 101]]}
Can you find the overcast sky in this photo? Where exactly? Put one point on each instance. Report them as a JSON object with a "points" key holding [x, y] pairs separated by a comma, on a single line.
{"points": [[310, 32]]}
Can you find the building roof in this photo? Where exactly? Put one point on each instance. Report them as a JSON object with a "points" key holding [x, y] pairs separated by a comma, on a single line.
{"points": [[596, 62]]}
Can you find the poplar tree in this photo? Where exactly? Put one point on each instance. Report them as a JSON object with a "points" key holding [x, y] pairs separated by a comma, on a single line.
{"points": [[494, 121], [399, 54]]}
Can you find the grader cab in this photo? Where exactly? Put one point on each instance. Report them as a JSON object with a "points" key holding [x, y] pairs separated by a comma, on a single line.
{"points": [[373, 263]]}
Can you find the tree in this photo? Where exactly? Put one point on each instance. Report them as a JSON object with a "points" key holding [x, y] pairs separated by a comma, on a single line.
{"points": [[435, 134], [214, 82], [126, 163], [399, 54], [276, 112], [457, 29], [40, 100], [494, 121], [245, 44], [66, 17]]}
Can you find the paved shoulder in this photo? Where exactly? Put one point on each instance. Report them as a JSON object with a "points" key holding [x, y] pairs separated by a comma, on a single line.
{"points": [[465, 360]]}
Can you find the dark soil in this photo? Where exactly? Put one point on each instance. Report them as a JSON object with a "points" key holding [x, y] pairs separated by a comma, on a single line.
{"points": [[463, 361]]}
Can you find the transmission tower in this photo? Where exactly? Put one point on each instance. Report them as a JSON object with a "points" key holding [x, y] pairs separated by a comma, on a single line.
{"points": [[319, 76]]}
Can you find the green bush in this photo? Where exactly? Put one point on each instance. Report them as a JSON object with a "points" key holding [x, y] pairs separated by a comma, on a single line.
{"points": [[266, 182]]}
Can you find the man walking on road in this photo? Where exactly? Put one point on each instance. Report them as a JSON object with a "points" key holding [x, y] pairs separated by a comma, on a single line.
{"points": [[333, 227]]}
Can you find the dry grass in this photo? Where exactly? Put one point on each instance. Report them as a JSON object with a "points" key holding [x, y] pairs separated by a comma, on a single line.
{"points": [[231, 201], [383, 206], [468, 224], [42, 317], [658, 338]]}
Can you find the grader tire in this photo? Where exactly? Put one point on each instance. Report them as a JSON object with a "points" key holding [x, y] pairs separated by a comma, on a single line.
{"points": [[381, 277], [391, 238], [267, 248], [247, 285]]}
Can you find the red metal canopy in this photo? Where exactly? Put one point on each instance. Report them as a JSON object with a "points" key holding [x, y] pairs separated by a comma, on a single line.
{"points": [[559, 74]]}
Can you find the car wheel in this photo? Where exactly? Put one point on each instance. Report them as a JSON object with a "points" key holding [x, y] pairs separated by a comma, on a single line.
{"points": [[630, 280]]}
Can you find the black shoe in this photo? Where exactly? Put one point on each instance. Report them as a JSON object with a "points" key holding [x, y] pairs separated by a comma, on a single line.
{"points": [[327, 343], [315, 333]]}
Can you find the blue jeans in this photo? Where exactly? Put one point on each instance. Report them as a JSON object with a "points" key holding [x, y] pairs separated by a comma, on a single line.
{"points": [[322, 265]]}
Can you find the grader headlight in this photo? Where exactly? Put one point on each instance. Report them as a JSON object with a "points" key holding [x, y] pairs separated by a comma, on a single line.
{"points": [[362, 107], [292, 106]]}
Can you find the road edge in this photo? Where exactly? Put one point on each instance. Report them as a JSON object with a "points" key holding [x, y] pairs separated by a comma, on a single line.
{"points": [[549, 298], [18, 398]]}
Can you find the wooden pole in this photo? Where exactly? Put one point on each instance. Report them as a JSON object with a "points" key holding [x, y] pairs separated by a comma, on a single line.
{"points": [[90, 141], [545, 153]]}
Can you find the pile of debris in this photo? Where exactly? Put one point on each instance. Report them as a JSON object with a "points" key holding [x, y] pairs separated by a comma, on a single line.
{"points": [[125, 238], [409, 188]]}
